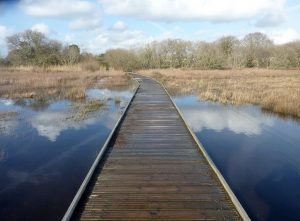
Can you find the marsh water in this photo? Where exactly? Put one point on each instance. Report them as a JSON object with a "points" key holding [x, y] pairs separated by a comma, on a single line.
{"points": [[257, 153], [46, 150]]}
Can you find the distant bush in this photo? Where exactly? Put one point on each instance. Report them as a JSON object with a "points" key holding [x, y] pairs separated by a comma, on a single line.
{"points": [[121, 59], [90, 65], [3, 62], [286, 56]]}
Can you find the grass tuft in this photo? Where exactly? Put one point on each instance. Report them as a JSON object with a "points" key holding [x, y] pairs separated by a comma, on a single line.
{"points": [[117, 100], [82, 110]]}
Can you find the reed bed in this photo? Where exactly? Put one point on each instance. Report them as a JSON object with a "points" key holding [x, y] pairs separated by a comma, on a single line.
{"points": [[56, 82], [276, 91]]}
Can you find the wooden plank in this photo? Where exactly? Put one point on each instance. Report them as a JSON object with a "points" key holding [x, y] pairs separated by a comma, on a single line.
{"points": [[160, 214], [154, 169]]}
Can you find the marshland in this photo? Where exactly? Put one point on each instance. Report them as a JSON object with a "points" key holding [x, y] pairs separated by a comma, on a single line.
{"points": [[276, 91], [64, 85]]}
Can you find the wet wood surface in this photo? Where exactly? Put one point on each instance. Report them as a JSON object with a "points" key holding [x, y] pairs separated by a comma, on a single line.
{"points": [[154, 169]]}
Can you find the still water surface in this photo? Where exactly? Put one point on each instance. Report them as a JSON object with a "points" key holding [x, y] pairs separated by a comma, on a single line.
{"points": [[257, 153], [47, 149]]}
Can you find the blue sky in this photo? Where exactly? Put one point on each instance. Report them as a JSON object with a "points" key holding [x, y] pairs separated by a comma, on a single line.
{"points": [[98, 25]]}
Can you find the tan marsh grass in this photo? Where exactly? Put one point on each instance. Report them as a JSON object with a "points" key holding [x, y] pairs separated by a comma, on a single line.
{"points": [[274, 90], [33, 82]]}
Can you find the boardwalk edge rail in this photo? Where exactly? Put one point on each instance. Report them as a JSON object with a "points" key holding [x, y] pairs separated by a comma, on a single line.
{"points": [[68, 215], [222, 180]]}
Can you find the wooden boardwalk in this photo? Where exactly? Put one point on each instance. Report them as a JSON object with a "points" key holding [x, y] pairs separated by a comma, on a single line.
{"points": [[153, 169]]}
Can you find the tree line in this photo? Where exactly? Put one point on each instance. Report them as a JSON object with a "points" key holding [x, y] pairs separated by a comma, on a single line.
{"points": [[254, 50]]}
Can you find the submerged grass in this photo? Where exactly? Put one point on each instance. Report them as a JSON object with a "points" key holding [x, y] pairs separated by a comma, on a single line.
{"points": [[117, 100], [82, 110], [275, 91], [6, 117]]}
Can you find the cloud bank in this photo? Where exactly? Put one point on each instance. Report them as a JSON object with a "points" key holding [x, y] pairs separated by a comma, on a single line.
{"points": [[56, 8], [41, 27], [192, 10]]}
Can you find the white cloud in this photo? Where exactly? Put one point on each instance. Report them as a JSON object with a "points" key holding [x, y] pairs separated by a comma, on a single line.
{"points": [[100, 40], [284, 36], [56, 8], [119, 26], [272, 19], [275, 16], [43, 28], [128, 38], [70, 38], [85, 23], [201, 10], [4, 32]]}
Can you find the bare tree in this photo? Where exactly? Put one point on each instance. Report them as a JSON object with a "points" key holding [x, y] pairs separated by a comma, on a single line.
{"points": [[33, 48], [71, 54], [286, 56], [257, 49], [121, 59]]}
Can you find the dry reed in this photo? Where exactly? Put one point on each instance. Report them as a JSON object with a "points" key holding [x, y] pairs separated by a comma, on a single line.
{"points": [[56, 82], [81, 111], [276, 91]]}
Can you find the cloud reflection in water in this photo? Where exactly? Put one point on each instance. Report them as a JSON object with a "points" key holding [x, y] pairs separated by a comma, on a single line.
{"points": [[240, 120], [51, 124]]}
